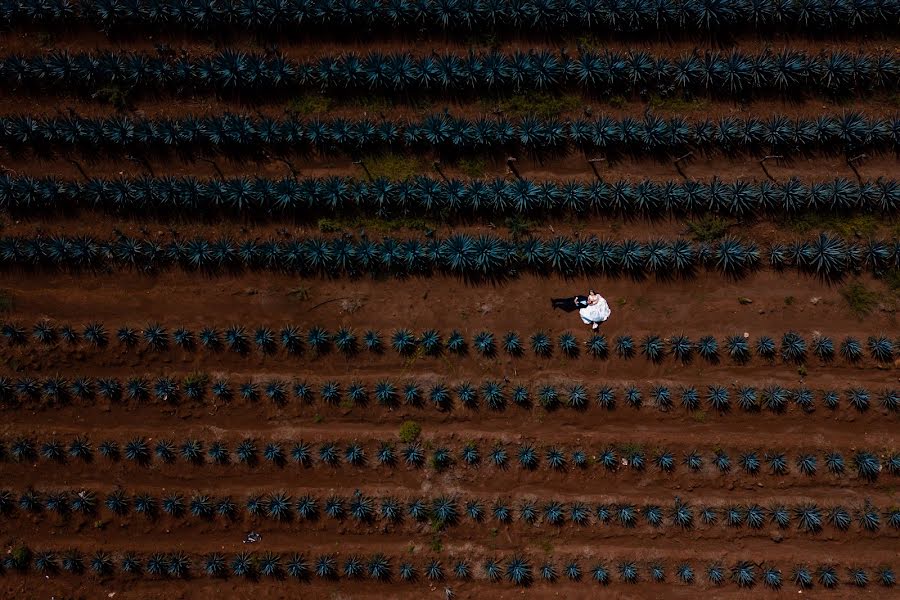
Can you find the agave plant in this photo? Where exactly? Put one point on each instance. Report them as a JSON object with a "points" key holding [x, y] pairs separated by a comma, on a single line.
{"points": [[851, 349], [652, 347], [881, 348]]}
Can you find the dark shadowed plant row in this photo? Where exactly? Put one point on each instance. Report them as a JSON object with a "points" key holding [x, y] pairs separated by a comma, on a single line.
{"points": [[448, 510], [317, 341], [462, 18], [311, 198], [712, 73], [436, 456], [519, 570], [850, 132], [493, 395], [482, 257]]}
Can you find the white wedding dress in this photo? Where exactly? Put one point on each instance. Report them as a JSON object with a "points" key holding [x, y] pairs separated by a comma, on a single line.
{"points": [[595, 313]]}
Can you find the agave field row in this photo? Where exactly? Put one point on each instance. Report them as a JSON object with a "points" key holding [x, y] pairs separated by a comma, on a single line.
{"points": [[483, 257], [414, 454], [318, 340], [495, 394], [517, 569], [311, 197], [732, 74], [652, 135], [370, 16], [450, 510]]}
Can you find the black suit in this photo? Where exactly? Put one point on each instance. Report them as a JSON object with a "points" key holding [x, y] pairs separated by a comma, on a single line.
{"points": [[569, 304]]}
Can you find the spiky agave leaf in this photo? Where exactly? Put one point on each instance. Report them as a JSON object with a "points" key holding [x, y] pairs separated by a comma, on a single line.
{"points": [[807, 464], [793, 347], [749, 462], [827, 576], [661, 397], [823, 347], [597, 346], [777, 462], [541, 344], [881, 348], [717, 396], [690, 399], [456, 343], [858, 398], [743, 574], [868, 466], [765, 347], [493, 395], [518, 571], [624, 346], [708, 348], [681, 347], [715, 573], [548, 397], [512, 344], [868, 517], [652, 347]]}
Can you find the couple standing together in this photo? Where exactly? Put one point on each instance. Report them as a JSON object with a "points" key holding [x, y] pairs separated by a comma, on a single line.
{"points": [[593, 308]]}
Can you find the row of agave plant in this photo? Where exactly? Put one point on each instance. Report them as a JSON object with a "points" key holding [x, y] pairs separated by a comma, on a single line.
{"points": [[495, 395], [444, 511], [317, 340], [312, 197], [652, 135], [481, 257], [417, 455], [518, 569], [607, 72], [368, 16]]}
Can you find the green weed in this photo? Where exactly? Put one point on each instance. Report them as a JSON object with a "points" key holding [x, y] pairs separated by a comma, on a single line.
{"points": [[708, 229], [309, 104], [860, 300], [473, 167], [541, 104], [677, 103], [864, 225], [395, 166], [409, 431]]}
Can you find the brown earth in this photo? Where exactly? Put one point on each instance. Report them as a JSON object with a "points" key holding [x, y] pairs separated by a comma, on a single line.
{"points": [[705, 304]]}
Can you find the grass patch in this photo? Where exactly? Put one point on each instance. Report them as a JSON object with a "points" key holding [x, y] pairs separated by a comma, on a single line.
{"points": [[375, 224], [708, 229], [436, 543], [115, 95], [197, 378], [541, 104], [6, 301], [677, 103], [845, 226], [699, 416], [330, 226], [473, 167], [789, 300], [632, 448], [891, 279], [309, 104], [519, 227], [617, 101], [860, 300], [409, 431], [299, 293], [396, 166]]}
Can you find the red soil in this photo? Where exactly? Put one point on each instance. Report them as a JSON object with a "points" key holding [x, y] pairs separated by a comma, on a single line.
{"points": [[706, 304]]}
